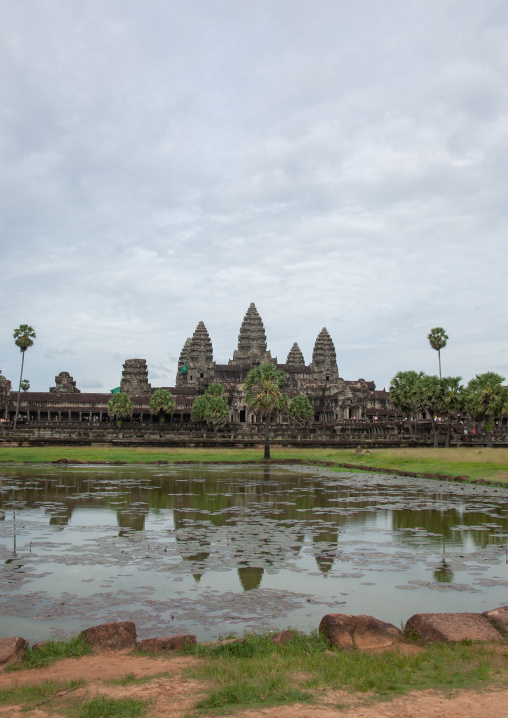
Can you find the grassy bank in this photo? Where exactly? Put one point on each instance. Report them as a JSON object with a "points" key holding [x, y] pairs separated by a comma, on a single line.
{"points": [[254, 673], [486, 464]]}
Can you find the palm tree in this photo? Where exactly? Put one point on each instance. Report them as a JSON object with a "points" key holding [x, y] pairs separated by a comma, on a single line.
{"points": [[24, 337], [264, 397], [437, 339], [121, 406], [486, 398], [162, 402]]}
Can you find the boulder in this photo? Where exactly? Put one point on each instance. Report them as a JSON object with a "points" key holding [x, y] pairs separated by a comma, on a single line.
{"points": [[162, 644], [362, 632], [12, 649], [499, 617], [111, 636], [452, 627]]}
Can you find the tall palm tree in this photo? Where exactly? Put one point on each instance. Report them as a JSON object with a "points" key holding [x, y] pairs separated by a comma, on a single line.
{"points": [[24, 337], [264, 396], [437, 339]]}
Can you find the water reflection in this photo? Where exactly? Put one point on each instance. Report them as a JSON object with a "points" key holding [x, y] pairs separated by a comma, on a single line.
{"points": [[231, 537]]}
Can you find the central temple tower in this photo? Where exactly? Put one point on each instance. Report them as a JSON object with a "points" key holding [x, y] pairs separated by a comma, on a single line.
{"points": [[252, 341]]}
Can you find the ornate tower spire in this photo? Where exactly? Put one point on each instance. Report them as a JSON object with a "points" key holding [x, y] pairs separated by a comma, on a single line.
{"points": [[324, 359], [252, 340], [183, 362], [200, 348], [295, 356]]}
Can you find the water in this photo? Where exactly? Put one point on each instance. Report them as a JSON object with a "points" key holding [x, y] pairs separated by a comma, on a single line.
{"points": [[214, 550]]}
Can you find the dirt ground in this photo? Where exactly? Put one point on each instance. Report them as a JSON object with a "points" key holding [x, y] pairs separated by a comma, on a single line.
{"points": [[175, 695]]}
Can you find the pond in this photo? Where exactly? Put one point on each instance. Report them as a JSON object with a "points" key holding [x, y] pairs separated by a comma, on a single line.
{"points": [[214, 550]]}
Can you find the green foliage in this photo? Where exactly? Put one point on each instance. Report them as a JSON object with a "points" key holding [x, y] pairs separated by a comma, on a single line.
{"points": [[486, 397], [162, 402], [264, 396], [103, 707], [2, 378], [253, 671], [437, 340], [49, 651], [408, 392], [300, 410], [211, 407], [24, 337], [121, 406], [25, 385], [262, 390]]}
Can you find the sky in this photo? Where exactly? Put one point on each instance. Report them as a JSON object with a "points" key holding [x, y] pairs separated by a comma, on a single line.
{"points": [[341, 165]]}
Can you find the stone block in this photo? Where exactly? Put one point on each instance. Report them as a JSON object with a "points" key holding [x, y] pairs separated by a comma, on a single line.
{"points": [[362, 632], [12, 649], [499, 617], [111, 636], [452, 627]]}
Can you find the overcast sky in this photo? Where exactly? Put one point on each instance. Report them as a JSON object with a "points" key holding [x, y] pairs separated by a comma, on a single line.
{"points": [[340, 164]]}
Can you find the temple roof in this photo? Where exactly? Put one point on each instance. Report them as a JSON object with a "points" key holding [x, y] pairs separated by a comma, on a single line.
{"points": [[251, 340], [295, 356]]}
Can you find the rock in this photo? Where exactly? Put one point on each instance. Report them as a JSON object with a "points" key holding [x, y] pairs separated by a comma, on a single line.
{"points": [[283, 637], [160, 644], [362, 632], [499, 617], [12, 649], [452, 627], [111, 636]]}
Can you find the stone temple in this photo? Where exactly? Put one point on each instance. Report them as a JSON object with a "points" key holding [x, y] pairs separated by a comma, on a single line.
{"points": [[332, 397]]}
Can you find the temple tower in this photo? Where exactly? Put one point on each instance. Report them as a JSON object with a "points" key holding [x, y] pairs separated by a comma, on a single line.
{"points": [[183, 362], [64, 384], [295, 356], [135, 377], [252, 341], [199, 357], [324, 359]]}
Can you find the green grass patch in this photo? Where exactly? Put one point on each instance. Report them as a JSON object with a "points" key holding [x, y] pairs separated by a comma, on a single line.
{"points": [[255, 672], [49, 651], [30, 695], [102, 707], [476, 463]]}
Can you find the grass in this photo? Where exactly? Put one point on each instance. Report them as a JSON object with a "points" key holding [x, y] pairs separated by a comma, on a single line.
{"points": [[255, 672], [50, 651], [32, 694], [486, 464], [102, 707]]}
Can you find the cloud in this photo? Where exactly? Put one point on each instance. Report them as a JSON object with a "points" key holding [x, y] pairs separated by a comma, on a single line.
{"points": [[340, 165]]}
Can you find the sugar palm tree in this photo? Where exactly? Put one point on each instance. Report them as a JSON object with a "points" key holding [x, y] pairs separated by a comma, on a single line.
{"points": [[162, 402], [486, 399], [264, 396], [437, 339], [24, 337]]}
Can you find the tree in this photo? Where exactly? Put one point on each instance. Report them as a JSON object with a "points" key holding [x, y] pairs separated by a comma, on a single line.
{"points": [[24, 337], [486, 399], [121, 406], [162, 402], [408, 393], [2, 378], [452, 396], [264, 396], [25, 385], [211, 407], [437, 340], [300, 410]]}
